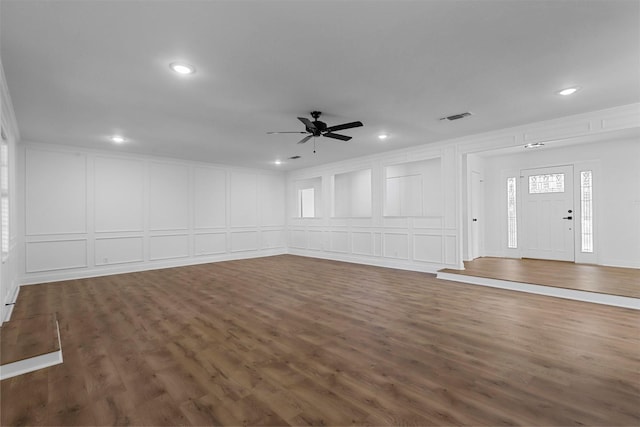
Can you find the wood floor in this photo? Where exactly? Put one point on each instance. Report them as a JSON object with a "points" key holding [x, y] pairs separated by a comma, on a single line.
{"points": [[28, 337], [289, 340], [583, 277]]}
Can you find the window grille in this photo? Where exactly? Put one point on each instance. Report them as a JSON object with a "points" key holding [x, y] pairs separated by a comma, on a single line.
{"points": [[549, 183]]}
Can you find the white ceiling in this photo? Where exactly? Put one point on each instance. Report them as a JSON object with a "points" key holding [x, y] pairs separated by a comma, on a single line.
{"points": [[79, 72]]}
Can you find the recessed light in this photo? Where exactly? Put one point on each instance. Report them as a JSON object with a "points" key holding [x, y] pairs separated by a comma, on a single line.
{"points": [[278, 162], [534, 145], [569, 91], [182, 68], [118, 139], [383, 136]]}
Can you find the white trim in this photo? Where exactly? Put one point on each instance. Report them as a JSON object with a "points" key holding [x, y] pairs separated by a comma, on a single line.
{"points": [[110, 269], [33, 363], [585, 296]]}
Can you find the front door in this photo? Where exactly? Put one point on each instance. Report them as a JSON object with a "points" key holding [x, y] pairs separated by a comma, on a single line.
{"points": [[476, 196], [548, 214]]}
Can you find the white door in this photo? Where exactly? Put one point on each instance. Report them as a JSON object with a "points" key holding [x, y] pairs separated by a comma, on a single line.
{"points": [[476, 196], [547, 213]]}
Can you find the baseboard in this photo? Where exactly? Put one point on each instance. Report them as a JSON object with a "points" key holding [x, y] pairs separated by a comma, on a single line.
{"points": [[59, 275], [620, 264], [373, 261], [572, 294]]}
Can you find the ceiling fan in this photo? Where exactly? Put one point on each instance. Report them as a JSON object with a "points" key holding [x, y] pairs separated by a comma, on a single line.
{"points": [[317, 128]]}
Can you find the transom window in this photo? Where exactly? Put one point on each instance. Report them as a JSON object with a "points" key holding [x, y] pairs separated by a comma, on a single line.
{"points": [[548, 183]]}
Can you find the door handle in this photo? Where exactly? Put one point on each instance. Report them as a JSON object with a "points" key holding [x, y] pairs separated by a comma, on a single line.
{"points": [[475, 219], [567, 217]]}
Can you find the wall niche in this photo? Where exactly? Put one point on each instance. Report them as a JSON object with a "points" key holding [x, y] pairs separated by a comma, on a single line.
{"points": [[308, 198], [413, 189], [352, 194]]}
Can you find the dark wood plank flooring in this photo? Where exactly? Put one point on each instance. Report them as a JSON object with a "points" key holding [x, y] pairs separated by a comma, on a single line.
{"points": [[582, 277], [28, 337], [289, 340]]}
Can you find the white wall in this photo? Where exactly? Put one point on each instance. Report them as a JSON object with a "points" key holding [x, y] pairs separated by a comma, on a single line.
{"points": [[84, 213], [440, 236], [9, 265], [425, 240], [90, 213], [616, 180]]}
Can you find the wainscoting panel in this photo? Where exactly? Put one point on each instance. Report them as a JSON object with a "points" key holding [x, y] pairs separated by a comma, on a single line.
{"points": [[298, 239], [427, 248], [316, 240], [339, 241], [271, 239], [56, 255], [118, 250], [210, 243], [244, 241], [168, 246], [362, 243], [396, 245]]}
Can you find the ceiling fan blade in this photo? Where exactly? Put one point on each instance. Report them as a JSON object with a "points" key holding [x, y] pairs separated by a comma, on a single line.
{"points": [[344, 126], [337, 136], [307, 123], [305, 139], [295, 131]]}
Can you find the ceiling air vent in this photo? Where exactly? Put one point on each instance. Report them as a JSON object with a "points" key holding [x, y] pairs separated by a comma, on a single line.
{"points": [[294, 157], [456, 116]]}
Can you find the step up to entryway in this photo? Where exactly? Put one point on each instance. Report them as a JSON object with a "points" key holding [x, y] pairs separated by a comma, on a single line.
{"points": [[578, 295], [29, 344]]}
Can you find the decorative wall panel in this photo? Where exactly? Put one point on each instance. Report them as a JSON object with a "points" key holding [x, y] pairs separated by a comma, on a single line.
{"points": [[118, 194], [118, 250], [169, 246], [244, 241], [210, 243], [209, 198], [56, 192], [56, 255], [168, 196]]}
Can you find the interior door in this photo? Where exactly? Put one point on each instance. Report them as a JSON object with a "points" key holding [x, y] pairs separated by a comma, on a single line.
{"points": [[548, 213], [476, 196]]}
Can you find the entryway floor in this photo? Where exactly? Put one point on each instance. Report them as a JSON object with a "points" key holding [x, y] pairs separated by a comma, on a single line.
{"points": [[582, 277]]}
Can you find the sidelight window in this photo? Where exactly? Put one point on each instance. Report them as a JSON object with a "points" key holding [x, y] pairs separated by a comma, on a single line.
{"points": [[586, 211], [512, 225]]}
